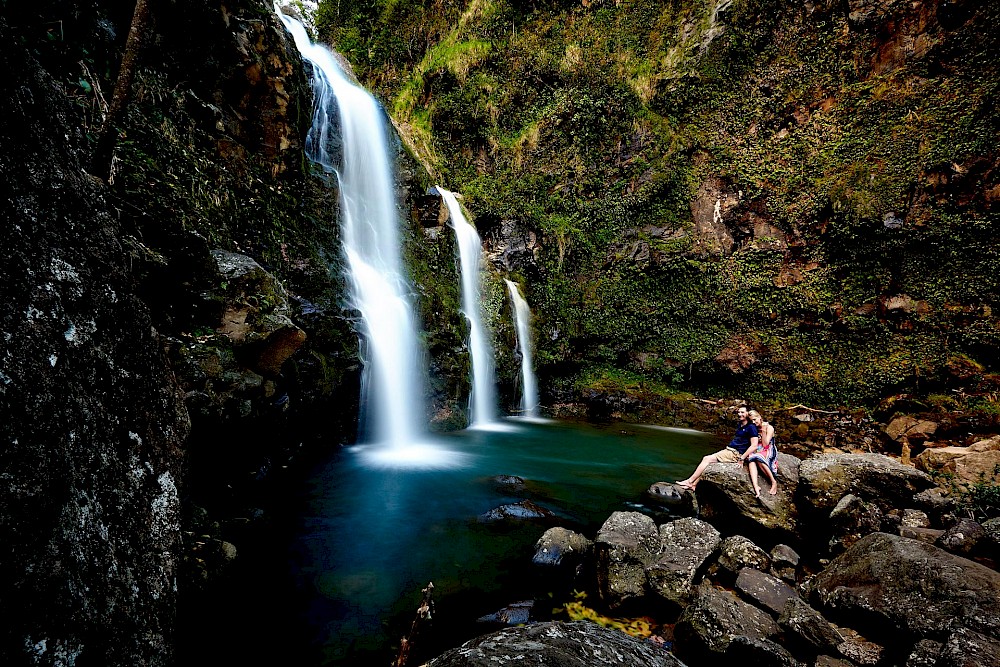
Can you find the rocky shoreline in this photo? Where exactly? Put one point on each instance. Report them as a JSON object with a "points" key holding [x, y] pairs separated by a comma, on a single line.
{"points": [[860, 559]]}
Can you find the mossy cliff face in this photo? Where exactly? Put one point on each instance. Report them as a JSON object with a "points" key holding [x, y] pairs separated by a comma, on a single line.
{"points": [[761, 198], [93, 421]]}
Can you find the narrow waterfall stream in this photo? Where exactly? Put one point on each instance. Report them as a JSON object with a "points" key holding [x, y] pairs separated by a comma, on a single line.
{"points": [[483, 400], [529, 386], [392, 394]]}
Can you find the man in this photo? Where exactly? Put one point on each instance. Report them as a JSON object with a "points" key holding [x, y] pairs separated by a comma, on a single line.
{"points": [[746, 438]]}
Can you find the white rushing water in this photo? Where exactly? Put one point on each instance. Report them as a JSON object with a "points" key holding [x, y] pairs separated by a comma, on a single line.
{"points": [[529, 387], [392, 392], [483, 399]]}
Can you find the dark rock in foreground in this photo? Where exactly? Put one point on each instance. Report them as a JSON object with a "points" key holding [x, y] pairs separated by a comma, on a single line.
{"points": [[894, 584], [554, 644], [714, 619]]}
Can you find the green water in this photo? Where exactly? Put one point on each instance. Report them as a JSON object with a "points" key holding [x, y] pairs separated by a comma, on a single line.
{"points": [[370, 537]]}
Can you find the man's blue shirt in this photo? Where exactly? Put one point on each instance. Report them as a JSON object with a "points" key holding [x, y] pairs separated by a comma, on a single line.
{"points": [[741, 441]]}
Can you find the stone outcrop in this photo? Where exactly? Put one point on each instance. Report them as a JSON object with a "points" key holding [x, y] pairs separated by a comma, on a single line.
{"points": [[892, 584], [825, 479], [726, 498], [685, 546], [575, 644], [976, 463], [626, 544]]}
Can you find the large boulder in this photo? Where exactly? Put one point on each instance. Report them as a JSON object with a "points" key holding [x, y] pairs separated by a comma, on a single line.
{"points": [[575, 644], [893, 584], [825, 479], [726, 498], [759, 653], [686, 545], [714, 618], [625, 546], [672, 497]]}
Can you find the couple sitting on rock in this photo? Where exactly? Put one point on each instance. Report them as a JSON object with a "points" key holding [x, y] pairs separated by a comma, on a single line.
{"points": [[753, 443]]}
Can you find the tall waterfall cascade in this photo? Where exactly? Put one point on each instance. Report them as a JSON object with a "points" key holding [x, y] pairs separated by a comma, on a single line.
{"points": [[529, 385], [392, 391], [483, 399]]}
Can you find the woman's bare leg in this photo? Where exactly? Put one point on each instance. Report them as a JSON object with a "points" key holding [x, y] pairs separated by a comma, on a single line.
{"points": [[753, 478], [770, 476]]}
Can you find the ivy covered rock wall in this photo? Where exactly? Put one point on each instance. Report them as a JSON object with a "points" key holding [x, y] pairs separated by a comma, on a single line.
{"points": [[772, 199]]}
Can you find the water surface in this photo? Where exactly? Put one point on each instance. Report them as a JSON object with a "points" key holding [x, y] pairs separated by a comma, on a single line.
{"points": [[370, 537]]}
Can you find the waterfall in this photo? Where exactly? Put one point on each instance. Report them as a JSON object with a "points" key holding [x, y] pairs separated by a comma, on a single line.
{"points": [[483, 398], [529, 387], [391, 391]]}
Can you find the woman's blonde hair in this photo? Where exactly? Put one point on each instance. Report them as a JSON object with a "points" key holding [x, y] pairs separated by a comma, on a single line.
{"points": [[753, 414]]}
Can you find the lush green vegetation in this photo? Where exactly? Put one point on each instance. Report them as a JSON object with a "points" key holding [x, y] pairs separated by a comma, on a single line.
{"points": [[858, 166]]}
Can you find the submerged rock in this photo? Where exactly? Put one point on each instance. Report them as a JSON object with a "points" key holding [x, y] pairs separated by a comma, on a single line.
{"points": [[574, 644], [522, 511], [516, 613]]}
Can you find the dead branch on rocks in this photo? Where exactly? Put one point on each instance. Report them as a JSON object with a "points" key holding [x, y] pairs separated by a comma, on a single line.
{"points": [[806, 407], [424, 614]]}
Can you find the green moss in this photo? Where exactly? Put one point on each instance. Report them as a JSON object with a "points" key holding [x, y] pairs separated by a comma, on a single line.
{"points": [[594, 126]]}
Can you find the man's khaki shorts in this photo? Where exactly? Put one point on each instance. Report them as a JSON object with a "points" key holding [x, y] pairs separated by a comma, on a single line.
{"points": [[727, 455]]}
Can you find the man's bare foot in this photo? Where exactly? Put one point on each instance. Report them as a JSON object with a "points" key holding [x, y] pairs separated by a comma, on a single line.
{"points": [[774, 489], [756, 492], [684, 484]]}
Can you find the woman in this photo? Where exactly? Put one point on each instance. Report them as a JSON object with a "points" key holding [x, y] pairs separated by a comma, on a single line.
{"points": [[764, 455]]}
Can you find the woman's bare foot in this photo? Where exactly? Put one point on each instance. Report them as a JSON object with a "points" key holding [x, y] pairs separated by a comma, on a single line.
{"points": [[756, 492], [774, 489]]}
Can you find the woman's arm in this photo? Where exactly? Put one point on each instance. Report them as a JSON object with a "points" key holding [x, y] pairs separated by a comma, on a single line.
{"points": [[752, 449]]}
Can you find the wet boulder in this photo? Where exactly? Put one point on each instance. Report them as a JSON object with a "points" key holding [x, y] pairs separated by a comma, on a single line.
{"points": [[825, 479], [517, 512], [574, 644], [560, 547], [672, 497], [713, 620], [685, 547], [893, 584], [625, 546]]}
